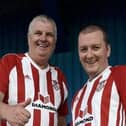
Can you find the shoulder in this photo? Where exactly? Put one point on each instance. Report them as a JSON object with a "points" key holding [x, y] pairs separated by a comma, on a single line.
{"points": [[55, 67], [11, 56], [119, 69], [119, 75], [58, 69], [11, 59], [78, 94]]}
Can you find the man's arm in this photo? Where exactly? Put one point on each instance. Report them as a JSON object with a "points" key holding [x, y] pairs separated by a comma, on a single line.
{"points": [[14, 114], [61, 121], [1, 99]]}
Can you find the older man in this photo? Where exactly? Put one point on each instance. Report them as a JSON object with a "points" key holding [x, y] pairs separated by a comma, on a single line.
{"points": [[32, 92]]}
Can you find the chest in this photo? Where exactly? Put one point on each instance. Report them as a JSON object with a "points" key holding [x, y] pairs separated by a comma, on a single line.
{"points": [[99, 98], [34, 84]]}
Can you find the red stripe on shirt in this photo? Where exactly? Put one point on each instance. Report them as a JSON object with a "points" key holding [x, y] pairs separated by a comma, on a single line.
{"points": [[50, 87], [77, 111], [20, 83], [51, 94], [37, 113], [105, 102], [37, 117], [118, 115], [90, 97], [51, 119], [60, 79], [92, 94], [35, 75]]}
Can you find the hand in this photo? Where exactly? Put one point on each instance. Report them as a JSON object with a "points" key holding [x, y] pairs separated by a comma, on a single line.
{"points": [[17, 115]]}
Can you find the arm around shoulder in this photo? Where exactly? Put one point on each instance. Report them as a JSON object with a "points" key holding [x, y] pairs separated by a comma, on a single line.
{"points": [[61, 121], [1, 104]]}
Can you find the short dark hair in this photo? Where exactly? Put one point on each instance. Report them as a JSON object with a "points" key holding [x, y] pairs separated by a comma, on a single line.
{"points": [[93, 28]]}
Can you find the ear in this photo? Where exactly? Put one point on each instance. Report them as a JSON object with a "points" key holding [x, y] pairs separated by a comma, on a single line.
{"points": [[108, 50], [28, 39]]}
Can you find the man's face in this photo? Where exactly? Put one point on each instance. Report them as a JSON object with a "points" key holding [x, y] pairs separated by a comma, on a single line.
{"points": [[93, 52], [41, 41]]}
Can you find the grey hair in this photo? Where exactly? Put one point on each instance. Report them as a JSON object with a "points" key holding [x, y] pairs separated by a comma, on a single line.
{"points": [[43, 18]]}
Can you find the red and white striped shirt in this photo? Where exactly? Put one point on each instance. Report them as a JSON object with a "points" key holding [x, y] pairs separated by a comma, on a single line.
{"points": [[21, 78], [102, 101]]}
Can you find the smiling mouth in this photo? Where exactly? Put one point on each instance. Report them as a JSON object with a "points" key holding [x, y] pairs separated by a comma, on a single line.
{"points": [[91, 62], [42, 45]]}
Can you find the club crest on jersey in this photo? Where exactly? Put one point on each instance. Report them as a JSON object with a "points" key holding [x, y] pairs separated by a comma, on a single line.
{"points": [[45, 100], [55, 84], [100, 85], [83, 113], [27, 77]]}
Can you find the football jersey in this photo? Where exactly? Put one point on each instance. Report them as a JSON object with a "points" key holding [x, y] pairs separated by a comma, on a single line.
{"points": [[102, 101], [21, 78]]}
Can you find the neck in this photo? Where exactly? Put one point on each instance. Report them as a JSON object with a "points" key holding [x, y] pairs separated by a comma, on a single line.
{"points": [[92, 76], [41, 63]]}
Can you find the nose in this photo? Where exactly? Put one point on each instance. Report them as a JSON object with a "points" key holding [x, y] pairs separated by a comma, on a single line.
{"points": [[43, 37], [89, 53]]}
